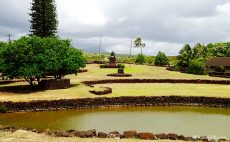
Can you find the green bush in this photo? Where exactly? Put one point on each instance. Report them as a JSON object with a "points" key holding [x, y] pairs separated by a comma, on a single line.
{"points": [[103, 66], [196, 66], [140, 59], [107, 66], [3, 108], [161, 59], [220, 69], [120, 66], [149, 60]]}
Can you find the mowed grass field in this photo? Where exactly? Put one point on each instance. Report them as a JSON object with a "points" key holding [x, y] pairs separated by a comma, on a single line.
{"points": [[16, 92]]}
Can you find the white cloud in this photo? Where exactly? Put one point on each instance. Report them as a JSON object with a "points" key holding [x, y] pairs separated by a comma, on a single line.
{"points": [[165, 25], [80, 16]]}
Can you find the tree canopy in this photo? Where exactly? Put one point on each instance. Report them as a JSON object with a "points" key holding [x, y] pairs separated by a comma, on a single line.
{"points": [[33, 57]]}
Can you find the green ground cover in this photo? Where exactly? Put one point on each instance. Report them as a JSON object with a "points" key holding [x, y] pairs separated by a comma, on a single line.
{"points": [[20, 92]]}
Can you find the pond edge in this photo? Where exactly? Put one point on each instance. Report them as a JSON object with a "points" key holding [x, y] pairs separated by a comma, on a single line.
{"points": [[101, 102]]}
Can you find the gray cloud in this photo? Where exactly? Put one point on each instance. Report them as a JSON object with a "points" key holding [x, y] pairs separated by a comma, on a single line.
{"points": [[163, 24]]}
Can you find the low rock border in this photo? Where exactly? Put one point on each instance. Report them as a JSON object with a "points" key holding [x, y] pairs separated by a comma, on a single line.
{"points": [[88, 103], [119, 75], [115, 134], [107, 90], [82, 71], [191, 81]]}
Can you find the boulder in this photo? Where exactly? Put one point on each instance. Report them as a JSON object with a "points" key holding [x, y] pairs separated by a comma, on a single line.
{"points": [[90, 133], [172, 136], [222, 140], [146, 136], [161, 136], [189, 139], [130, 134], [181, 137], [204, 138], [80, 134], [57, 133], [102, 135], [114, 134]]}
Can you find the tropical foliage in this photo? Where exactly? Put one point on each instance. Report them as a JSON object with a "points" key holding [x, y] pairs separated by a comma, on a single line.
{"points": [[139, 44], [193, 59]]}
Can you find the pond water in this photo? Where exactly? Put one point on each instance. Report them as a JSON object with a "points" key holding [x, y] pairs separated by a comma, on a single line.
{"points": [[189, 121]]}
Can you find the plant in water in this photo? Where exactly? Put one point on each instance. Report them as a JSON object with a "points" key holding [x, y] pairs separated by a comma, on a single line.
{"points": [[3, 108]]}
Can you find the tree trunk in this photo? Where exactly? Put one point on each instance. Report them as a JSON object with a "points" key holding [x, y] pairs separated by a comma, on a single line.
{"points": [[141, 50], [30, 80]]}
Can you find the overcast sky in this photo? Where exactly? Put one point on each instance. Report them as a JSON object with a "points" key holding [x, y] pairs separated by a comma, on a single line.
{"points": [[164, 25]]}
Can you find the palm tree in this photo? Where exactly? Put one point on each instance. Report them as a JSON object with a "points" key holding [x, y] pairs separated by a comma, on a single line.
{"points": [[139, 44]]}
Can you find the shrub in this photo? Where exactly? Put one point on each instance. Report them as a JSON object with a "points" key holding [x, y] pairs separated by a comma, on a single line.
{"points": [[120, 66], [161, 59], [220, 69], [149, 60], [103, 66], [3, 108], [140, 59], [196, 66], [108, 66]]}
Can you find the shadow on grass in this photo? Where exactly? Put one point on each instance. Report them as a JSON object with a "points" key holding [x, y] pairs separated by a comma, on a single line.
{"points": [[20, 89], [74, 85], [25, 89], [6, 82]]}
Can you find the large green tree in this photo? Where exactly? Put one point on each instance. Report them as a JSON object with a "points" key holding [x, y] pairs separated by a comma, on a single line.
{"points": [[43, 18], [34, 57], [2, 46]]}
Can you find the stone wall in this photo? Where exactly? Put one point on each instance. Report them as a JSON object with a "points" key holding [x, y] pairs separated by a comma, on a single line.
{"points": [[131, 134], [192, 81], [220, 74], [53, 84], [114, 102]]}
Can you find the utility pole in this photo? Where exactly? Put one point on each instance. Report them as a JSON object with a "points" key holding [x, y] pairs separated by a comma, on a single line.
{"points": [[9, 37], [130, 54], [100, 51]]}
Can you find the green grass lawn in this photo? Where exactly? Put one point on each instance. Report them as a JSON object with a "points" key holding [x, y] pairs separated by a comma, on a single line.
{"points": [[138, 71], [14, 92]]}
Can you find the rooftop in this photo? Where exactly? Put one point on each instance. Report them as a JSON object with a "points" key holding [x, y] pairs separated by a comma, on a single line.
{"points": [[219, 61]]}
